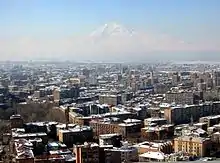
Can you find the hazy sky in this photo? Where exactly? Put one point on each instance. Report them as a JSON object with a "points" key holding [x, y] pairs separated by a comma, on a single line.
{"points": [[54, 28]]}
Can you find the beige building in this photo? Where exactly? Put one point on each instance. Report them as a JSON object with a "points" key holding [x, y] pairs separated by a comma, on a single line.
{"points": [[197, 146], [56, 95]]}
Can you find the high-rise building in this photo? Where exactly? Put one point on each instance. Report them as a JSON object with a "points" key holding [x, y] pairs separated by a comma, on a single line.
{"points": [[216, 78], [56, 95]]}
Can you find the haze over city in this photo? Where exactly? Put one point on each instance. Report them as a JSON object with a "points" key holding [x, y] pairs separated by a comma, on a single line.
{"points": [[109, 81], [116, 30]]}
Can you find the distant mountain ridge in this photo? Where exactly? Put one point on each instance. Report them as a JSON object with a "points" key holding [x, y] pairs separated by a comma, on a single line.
{"points": [[112, 29], [112, 34], [109, 42]]}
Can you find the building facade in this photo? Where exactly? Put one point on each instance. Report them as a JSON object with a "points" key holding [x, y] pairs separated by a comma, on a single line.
{"points": [[195, 146]]}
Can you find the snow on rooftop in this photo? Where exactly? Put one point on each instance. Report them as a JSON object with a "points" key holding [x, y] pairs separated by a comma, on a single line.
{"points": [[137, 109], [164, 105], [153, 155], [108, 135]]}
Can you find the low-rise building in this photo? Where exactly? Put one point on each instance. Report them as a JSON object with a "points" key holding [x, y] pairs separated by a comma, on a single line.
{"points": [[75, 135], [110, 139], [87, 153], [152, 156], [22, 135], [151, 146], [158, 132], [156, 121], [210, 120], [195, 146], [101, 127], [124, 154]]}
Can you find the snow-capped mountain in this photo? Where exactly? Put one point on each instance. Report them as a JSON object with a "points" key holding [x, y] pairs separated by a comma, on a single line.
{"points": [[112, 29], [116, 36], [109, 41]]}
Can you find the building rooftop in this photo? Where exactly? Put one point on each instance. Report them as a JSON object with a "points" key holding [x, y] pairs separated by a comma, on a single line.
{"points": [[17, 116], [153, 155], [24, 135], [123, 149], [106, 136], [132, 121], [61, 152], [191, 138], [157, 128], [147, 144], [212, 117], [155, 119], [76, 129], [128, 124], [88, 145], [23, 149]]}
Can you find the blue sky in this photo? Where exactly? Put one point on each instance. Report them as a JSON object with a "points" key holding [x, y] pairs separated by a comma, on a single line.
{"points": [[177, 17], [190, 20]]}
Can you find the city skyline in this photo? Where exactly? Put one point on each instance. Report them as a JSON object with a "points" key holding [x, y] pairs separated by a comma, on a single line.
{"points": [[62, 29]]}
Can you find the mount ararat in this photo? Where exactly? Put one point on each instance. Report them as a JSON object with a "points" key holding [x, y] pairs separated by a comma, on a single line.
{"points": [[110, 42]]}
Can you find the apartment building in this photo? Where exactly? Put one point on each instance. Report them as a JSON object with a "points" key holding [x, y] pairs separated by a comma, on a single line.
{"points": [[185, 113], [87, 153], [110, 99], [180, 97], [101, 127], [196, 146], [20, 134], [154, 120], [56, 95], [79, 134], [158, 132], [110, 139], [130, 129], [124, 154], [210, 120]]}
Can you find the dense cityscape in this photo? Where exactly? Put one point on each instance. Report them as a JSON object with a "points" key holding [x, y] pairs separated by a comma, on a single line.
{"points": [[68, 112], [118, 81]]}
